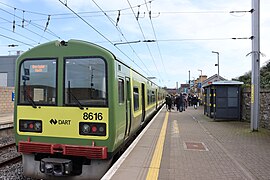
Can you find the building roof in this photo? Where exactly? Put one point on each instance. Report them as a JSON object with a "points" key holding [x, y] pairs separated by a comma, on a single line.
{"points": [[212, 79], [225, 83]]}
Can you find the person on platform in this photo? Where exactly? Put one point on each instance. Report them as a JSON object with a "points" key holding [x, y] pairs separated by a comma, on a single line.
{"points": [[180, 102], [194, 101], [168, 100], [189, 100]]}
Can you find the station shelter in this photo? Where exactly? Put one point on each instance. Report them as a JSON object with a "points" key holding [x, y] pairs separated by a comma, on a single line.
{"points": [[222, 100]]}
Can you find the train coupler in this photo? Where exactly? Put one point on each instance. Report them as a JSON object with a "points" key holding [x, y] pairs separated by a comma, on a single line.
{"points": [[56, 166]]}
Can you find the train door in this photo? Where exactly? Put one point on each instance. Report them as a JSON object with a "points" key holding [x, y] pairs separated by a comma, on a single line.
{"points": [[143, 102], [128, 107]]}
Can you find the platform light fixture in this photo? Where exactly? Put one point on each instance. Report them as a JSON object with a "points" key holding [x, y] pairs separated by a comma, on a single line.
{"points": [[217, 61]]}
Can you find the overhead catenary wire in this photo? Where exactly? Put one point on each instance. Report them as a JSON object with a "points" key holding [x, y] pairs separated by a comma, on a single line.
{"points": [[26, 29], [13, 23], [16, 40], [19, 34], [33, 24], [101, 34], [38, 13], [115, 12], [67, 14], [144, 39], [152, 25], [202, 39], [122, 34], [184, 39]]}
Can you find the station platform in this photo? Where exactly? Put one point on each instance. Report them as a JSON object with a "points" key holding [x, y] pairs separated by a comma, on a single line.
{"points": [[189, 145], [6, 120]]}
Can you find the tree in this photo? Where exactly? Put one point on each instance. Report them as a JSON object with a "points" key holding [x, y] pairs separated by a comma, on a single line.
{"points": [[264, 77]]}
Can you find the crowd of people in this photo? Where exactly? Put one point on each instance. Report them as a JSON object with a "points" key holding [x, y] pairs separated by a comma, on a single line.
{"points": [[181, 101]]}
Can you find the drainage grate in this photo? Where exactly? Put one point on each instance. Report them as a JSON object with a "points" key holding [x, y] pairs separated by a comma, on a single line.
{"points": [[197, 146]]}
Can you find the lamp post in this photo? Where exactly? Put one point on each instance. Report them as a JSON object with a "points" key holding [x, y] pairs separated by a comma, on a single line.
{"points": [[201, 85], [217, 61]]}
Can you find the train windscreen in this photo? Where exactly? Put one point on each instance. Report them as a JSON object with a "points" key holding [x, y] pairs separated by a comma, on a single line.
{"points": [[85, 82], [38, 82]]}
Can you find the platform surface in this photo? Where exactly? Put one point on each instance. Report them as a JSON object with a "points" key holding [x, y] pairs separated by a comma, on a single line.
{"points": [[197, 147], [6, 118]]}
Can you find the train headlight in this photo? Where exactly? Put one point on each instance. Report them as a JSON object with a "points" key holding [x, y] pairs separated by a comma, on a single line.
{"points": [[86, 128], [101, 129], [92, 129], [30, 125], [37, 126], [25, 125]]}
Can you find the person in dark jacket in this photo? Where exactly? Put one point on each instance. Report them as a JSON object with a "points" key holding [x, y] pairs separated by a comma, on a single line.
{"points": [[189, 100], [168, 100], [180, 102], [195, 101]]}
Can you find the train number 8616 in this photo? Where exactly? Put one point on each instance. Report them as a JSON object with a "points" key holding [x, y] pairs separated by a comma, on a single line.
{"points": [[92, 116]]}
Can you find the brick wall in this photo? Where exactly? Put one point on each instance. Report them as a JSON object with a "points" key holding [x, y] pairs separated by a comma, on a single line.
{"points": [[264, 118], [6, 103]]}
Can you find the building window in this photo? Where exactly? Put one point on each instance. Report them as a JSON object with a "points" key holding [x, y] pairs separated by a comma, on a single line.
{"points": [[3, 79]]}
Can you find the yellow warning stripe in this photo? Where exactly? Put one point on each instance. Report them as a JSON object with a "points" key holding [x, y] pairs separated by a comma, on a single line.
{"points": [[156, 159]]}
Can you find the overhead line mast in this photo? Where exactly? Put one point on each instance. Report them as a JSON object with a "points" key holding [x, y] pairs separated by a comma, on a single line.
{"points": [[255, 53]]}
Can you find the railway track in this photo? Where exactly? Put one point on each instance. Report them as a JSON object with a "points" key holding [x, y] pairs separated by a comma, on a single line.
{"points": [[8, 156], [7, 146], [12, 160]]}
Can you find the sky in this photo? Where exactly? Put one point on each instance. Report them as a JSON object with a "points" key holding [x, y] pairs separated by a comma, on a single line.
{"points": [[176, 38]]}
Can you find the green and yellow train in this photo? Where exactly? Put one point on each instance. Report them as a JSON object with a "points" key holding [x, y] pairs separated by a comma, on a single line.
{"points": [[76, 106]]}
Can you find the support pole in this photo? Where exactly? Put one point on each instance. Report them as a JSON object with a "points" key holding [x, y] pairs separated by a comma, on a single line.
{"points": [[255, 79]]}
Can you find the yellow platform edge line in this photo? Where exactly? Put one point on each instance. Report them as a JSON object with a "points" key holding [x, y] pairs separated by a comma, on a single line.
{"points": [[156, 159]]}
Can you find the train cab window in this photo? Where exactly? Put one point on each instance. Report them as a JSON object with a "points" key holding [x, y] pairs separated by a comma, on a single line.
{"points": [[85, 82], [136, 98], [37, 82], [120, 90]]}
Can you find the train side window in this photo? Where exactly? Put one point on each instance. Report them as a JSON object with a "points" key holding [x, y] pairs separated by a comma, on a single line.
{"points": [[120, 90], [148, 97], [153, 97], [136, 98]]}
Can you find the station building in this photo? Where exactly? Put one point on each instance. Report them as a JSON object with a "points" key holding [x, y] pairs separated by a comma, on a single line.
{"points": [[7, 81]]}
